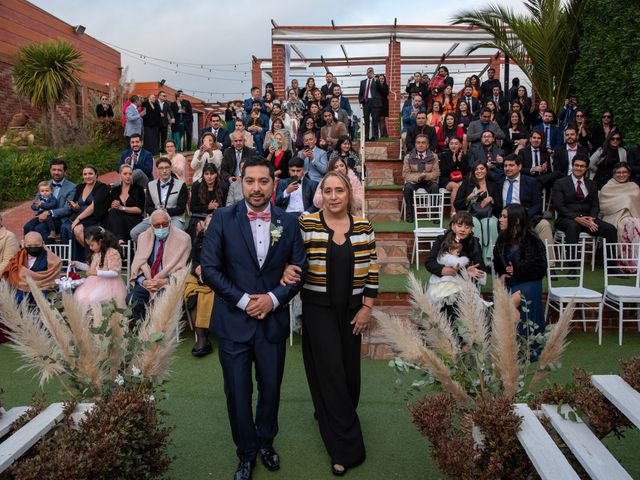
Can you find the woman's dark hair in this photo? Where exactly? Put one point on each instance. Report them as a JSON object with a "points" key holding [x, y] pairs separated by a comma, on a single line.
{"points": [[609, 111], [105, 239], [341, 140], [446, 131], [448, 243], [526, 94], [268, 93], [273, 124], [520, 125], [303, 125], [608, 153], [169, 142], [474, 166], [461, 218], [517, 224], [88, 165], [217, 185], [620, 165], [332, 163]]}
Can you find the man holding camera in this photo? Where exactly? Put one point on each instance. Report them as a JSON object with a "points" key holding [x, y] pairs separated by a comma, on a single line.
{"points": [[295, 194], [314, 158], [420, 169]]}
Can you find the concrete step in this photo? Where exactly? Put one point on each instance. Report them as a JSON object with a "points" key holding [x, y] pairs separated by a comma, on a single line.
{"points": [[394, 265], [384, 215], [376, 151]]}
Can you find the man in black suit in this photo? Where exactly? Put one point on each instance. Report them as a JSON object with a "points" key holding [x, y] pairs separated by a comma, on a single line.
{"points": [[164, 107], [575, 198], [489, 153], [421, 128], [188, 120], [371, 104], [489, 84], [233, 156], [502, 106], [295, 194], [524, 190], [327, 90], [563, 154], [472, 103], [221, 134], [536, 161]]}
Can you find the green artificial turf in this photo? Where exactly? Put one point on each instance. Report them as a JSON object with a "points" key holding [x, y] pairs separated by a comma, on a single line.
{"points": [[202, 439], [384, 187], [393, 227]]}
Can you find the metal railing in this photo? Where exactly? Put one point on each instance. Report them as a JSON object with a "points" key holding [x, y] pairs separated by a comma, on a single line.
{"points": [[363, 174]]}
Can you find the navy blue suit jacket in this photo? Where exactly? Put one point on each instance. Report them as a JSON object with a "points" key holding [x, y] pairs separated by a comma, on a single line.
{"points": [[557, 137], [223, 137], [145, 161], [530, 194], [308, 191], [230, 267]]}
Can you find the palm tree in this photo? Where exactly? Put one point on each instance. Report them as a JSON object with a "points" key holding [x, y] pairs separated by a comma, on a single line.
{"points": [[542, 43], [44, 72]]}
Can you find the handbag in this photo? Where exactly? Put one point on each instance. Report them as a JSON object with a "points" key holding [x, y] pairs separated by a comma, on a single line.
{"points": [[455, 176], [480, 212]]}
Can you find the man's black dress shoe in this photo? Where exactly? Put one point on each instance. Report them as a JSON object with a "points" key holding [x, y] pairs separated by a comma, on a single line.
{"points": [[244, 470], [270, 458], [201, 352]]}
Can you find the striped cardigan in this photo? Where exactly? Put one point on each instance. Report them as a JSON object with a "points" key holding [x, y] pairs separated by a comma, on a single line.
{"points": [[317, 241]]}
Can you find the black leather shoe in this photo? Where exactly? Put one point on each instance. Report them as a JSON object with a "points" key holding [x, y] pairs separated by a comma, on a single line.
{"points": [[270, 458], [244, 470], [201, 352], [338, 472]]}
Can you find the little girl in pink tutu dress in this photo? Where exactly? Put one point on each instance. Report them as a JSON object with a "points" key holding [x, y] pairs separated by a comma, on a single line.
{"points": [[103, 282]]}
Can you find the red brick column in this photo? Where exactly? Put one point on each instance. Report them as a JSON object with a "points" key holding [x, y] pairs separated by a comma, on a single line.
{"points": [[395, 88], [496, 63], [277, 69], [256, 73]]}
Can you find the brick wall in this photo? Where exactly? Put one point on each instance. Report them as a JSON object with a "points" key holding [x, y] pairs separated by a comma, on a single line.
{"points": [[256, 74], [277, 60], [395, 88]]}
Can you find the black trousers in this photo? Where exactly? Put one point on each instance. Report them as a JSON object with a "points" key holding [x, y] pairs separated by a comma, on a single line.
{"points": [[138, 298], [237, 359], [331, 354], [188, 132], [409, 188], [152, 139], [371, 119], [572, 230], [163, 137]]}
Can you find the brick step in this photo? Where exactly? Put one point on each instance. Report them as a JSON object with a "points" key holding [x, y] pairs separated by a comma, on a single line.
{"points": [[392, 171], [382, 202], [379, 176], [391, 248], [373, 343], [376, 151], [384, 215], [392, 148], [394, 265]]}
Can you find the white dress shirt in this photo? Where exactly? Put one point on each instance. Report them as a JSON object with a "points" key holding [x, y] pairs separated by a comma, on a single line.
{"points": [[515, 197], [583, 187], [296, 204], [261, 232]]}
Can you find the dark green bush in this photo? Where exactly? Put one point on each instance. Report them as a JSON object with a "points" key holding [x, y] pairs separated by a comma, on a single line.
{"points": [[607, 72], [22, 169]]}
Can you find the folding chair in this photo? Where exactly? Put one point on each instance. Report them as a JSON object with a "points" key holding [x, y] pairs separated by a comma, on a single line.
{"points": [[62, 250], [447, 197], [125, 252], [569, 266], [591, 243], [622, 260], [427, 208]]}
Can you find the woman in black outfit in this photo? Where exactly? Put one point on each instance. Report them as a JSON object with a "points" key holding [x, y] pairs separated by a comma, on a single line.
{"points": [[601, 131], [383, 93], [454, 168], [207, 194], [127, 205], [152, 122], [516, 134], [104, 109]]}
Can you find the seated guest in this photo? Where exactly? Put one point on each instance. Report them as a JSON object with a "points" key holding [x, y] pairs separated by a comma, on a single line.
{"points": [[90, 206], [207, 194], [420, 169], [520, 260], [536, 161], [277, 128], [563, 155], [198, 297], [331, 131], [43, 202], [232, 157], [33, 260], [278, 114], [162, 252], [257, 124], [279, 156], [515, 134], [295, 194], [166, 193], [434, 118], [127, 205], [63, 191], [464, 117], [220, 133], [308, 125], [140, 160], [339, 165], [552, 134], [490, 154], [234, 193], [315, 159], [480, 196], [420, 128], [575, 198], [344, 150], [535, 118], [477, 128], [239, 127], [454, 168], [103, 283], [339, 114], [410, 112], [472, 104], [525, 191], [448, 130], [208, 153], [178, 162], [8, 245], [605, 157]]}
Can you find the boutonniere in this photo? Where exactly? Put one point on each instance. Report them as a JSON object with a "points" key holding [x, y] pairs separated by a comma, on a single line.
{"points": [[276, 233]]}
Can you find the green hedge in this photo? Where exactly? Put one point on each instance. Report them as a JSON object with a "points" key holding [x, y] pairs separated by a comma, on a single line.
{"points": [[607, 72], [22, 169]]}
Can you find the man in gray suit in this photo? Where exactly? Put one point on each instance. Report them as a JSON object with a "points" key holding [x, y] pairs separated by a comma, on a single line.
{"points": [[63, 191], [133, 118], [483, 124], [315, 159]]}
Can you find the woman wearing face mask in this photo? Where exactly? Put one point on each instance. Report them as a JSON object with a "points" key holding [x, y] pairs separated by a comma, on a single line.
{"points": [[103, 283]]}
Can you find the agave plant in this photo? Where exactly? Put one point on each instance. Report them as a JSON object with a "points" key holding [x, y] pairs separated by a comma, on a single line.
{"points": [[542, 43], [44, 72], [92, 351]]}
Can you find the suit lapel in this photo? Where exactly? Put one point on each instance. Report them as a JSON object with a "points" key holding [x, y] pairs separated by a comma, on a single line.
{"points": [[277, 222], [245, 230]]}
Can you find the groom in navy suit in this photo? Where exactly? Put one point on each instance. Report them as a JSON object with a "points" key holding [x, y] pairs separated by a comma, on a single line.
{"points": [[245, 251]]}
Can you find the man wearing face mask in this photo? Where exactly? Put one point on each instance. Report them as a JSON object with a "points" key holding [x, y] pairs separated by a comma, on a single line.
{"points": [[162, 252], [35, 261]]}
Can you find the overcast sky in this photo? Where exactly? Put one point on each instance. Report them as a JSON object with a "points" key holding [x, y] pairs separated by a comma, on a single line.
{"points": [[227, 35]]}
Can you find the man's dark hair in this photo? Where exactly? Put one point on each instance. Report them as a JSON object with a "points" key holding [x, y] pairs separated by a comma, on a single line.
{"points": [[163, 160], [160, 92], [135, 135], [485, 110], [214, 115], [258, 161], [178, 92], [513, 158], [515, 82], [134, 98], [254, 88], [491, 69], [580, 157], [572, 126], [443, 68], [58, 161], [296, 162]]}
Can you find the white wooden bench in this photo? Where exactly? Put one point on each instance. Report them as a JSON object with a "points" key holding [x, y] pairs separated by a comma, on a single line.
{"points": [[24, 438], [597, 461]]}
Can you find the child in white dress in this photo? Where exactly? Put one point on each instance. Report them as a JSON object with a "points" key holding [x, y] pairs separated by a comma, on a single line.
{"points": [[444, 288]]}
